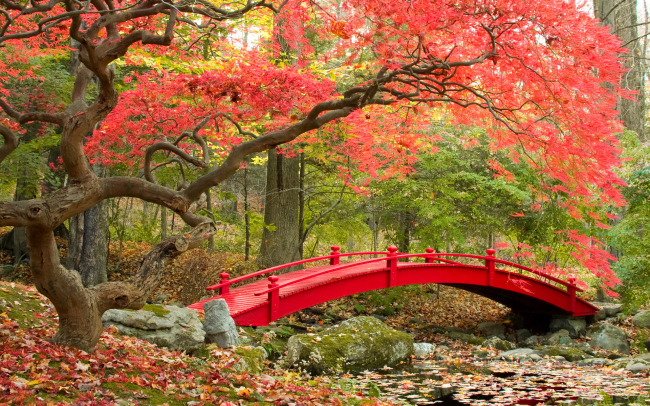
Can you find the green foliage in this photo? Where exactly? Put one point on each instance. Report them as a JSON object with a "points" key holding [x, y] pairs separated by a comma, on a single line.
{"points": [[631, 235]]}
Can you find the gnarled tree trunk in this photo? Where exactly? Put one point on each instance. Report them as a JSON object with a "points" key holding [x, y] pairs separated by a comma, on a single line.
{"points": [[80, 309]]}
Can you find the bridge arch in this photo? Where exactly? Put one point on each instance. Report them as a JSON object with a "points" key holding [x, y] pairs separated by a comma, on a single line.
{"points": [[520, 288]]}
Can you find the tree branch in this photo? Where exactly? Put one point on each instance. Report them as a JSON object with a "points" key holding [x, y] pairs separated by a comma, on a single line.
{"points": [[10, 141]]}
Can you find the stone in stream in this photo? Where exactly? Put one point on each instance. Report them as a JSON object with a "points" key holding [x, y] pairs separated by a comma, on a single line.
{"points": [[560, 337], [520, 354], [355, 345], [609, 337], [498, 344], [423, 350], [490, 329], [575, 326]]}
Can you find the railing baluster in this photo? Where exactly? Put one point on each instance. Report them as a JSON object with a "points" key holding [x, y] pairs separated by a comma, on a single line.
{"points": [[273, 297], [391, 264], [489, 263], [429, 260], [224, 279], [571, 290], [335, 251]]}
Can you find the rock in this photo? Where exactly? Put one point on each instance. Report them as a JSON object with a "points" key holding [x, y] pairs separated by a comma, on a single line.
{"points": [[251, 359], [613, 309], [567, 353], [520, 354], [642, 319], [560, 337], [422, 350], [601, 314], [576, 326], [177, 328], [647, 345], [464, 337], [357, 344], [522, 334], [534, 341], [609, 337], [637, 366], [498, 344], [595, 362], [490, 329], [219, 326]]}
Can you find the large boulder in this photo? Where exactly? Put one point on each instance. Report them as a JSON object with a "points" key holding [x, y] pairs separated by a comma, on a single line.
{"points": [[609, 337], [642, 319], [575, 326], [219, 326], [355, 345], [177, 328]]}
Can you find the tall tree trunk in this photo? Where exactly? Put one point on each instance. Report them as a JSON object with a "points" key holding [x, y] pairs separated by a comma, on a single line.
{"points": [[88, 243], [280, 235], [621, 15], [247, 220]]}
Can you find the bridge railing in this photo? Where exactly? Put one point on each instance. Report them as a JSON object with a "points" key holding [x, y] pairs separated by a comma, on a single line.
{"points": [[334, 259], [391, 264], [391, 257]]}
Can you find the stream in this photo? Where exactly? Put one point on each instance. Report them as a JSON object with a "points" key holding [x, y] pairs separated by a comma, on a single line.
{"points": [[485, 382]]}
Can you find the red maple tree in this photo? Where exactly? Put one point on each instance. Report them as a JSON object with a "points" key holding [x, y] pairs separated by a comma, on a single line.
{"points": [[542, 77]]}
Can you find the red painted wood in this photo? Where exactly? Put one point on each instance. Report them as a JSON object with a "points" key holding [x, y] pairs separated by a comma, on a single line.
{"points": [[258, 303]]}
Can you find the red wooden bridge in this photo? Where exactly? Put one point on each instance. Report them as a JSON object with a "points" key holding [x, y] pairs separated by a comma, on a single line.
{"points": [[521, 288]]}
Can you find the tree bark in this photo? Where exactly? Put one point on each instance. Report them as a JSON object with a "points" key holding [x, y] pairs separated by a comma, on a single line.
{"points": [[88, 244], [280, 235], [79, 308], [621, 15]]}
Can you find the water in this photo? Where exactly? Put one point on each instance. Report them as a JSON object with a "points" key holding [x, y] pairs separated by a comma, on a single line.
{"points": [[483, 382]]}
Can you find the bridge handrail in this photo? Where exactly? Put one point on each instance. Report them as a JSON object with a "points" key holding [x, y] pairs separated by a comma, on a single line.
{"points": [[334, 268], [289, 265], [427, 255], [515, 265]]}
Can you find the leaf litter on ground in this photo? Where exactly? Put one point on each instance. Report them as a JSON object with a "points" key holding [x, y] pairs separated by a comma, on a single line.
{"points": [[128, 371]]}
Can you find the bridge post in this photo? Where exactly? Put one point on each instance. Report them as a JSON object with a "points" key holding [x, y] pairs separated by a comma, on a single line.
{"points": [[335, 251], [489, 264], [429, 260], [571, 290], [391, 264], [274, 297], [224, 279]]}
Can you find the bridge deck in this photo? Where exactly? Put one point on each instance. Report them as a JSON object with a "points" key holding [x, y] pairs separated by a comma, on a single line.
{"points": [[242, 298]]}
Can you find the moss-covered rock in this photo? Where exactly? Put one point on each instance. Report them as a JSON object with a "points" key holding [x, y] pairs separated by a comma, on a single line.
{"points": [[642, 319], [498, 344], [357, 344], [251, 359], [464, 337], [569, 353]]}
